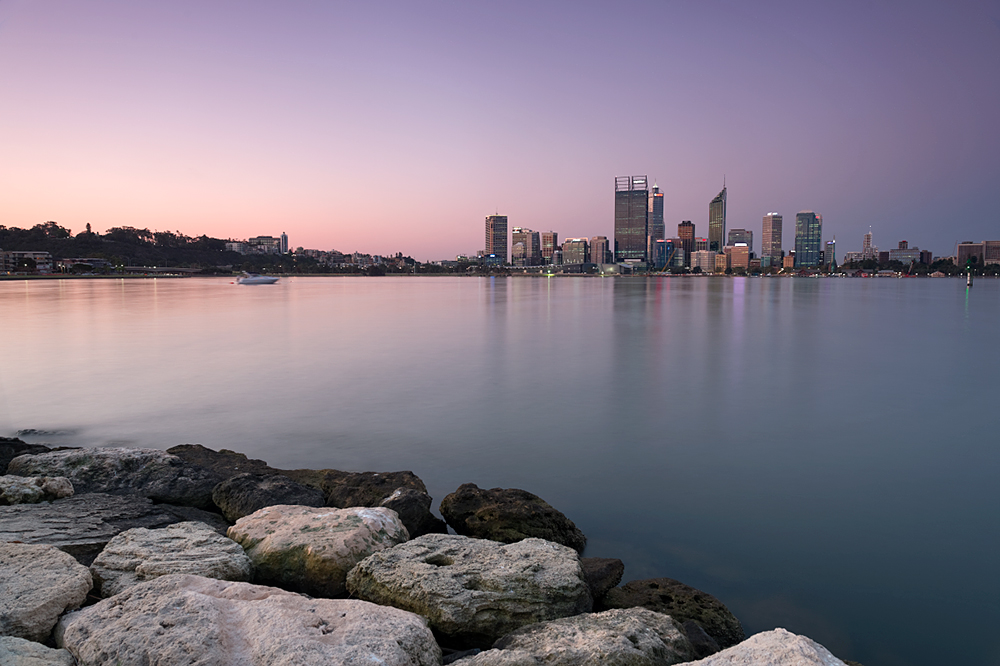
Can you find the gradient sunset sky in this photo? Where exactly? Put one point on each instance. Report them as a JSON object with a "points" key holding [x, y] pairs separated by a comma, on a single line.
{"points": [[398, 126]]}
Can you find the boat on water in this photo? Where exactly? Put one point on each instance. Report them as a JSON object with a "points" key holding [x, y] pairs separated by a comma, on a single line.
{"points": [[256, 278]]}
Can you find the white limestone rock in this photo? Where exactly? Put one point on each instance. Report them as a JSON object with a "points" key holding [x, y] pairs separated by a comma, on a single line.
{"points": [[37, 585], [180, 620], [777, 647], [474, 590], [619, 637], [33, 489], [142, 554], [309, 549], [19, 652]]}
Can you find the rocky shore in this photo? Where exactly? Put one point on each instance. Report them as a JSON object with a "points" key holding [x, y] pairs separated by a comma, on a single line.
{"points": [[193, 556]]}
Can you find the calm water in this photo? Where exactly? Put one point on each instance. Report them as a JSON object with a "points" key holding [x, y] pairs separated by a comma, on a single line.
{"points": [[820, 454]]}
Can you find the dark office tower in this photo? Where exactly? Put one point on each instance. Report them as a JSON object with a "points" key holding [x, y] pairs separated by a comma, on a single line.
{"points": [[685, 231], [656, 229], [740, 236], [550, 242], [527, 250], [808, 239], [496, 236], [599, 250], [631, 218], [717, 222], [830, 254], [770, 242]]}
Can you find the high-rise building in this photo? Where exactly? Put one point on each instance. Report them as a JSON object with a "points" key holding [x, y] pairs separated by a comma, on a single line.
{"points": [[867, 249], [496, 237], [284, 243], [830, 254], [685, 231], [808, 239], [717, 222], [739, 256], [575, 251], [970, 252], [599, 250], [703, 259], [667, 253], [657, 231], [737, 236], [526, 247], [770, 242], [701, 244], [631, 218], [550, 241]]}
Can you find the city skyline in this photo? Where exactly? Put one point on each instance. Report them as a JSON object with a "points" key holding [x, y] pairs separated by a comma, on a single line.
{"points": [[366, 129]]}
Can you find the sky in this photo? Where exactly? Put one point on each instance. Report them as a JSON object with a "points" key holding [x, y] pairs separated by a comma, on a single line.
{"points": [[399, 126]]}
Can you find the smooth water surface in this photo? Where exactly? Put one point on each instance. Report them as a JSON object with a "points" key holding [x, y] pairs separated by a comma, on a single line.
{"points": [[819, 454]]}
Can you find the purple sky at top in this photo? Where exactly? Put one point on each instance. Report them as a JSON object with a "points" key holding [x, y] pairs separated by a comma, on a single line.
{"points": [[385, 127]]}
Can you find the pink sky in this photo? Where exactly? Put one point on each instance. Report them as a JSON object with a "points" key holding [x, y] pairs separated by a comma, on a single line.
{"points": [[400, 126]]}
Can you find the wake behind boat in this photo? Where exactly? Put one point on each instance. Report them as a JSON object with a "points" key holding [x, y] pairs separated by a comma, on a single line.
{"points": [[255, 278]]}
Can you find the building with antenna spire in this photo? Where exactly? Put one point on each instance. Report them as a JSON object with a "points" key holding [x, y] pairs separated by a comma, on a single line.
{"points": [[717, 221]]}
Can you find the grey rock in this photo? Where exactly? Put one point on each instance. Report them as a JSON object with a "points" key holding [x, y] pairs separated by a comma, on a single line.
{"points": [[37, 585], [83, 524], [414, 509], [224, 463], [777, 647], [142, 554], [310, 549], [180, 620], [19, 652], [681, 602], [12, 447], [33, 489], [703, 644], [602, 574], [243, 494], [508, 515], [632, 637], [151, 473], [474, 591], [194, 514], [346, 489]]}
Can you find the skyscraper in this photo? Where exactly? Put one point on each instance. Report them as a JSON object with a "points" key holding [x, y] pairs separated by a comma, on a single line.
{"points": [[867, 249], [528, 249], [656, 229], [599, 250], [631, 218], [770, 241], [496, 236], [284, 243], [717, 222], [830, 254], [736, 236], [575, 251], [685, 231], [550, 241], [808, 239]]}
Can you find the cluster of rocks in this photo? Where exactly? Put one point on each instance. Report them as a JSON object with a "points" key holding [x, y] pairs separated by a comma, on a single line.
{"points": [[194, 556]]}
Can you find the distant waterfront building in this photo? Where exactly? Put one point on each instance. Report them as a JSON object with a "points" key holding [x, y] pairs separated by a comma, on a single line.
{"points": [[967, 251], [526, 247], [721, 262], [770, 242], [739, 256], [550, 241], [657, 231], [700, 244], [991, 252], [685, 231], [237, 246], [703, 259], [284, 243], [830, 253], [631, 218], [789, 260], [717, 222], [737, 236], [905, 254], [496, 237], [575, 251], [265, 245], [868, 250], [808, 238], [667, 253], [599, 250]]}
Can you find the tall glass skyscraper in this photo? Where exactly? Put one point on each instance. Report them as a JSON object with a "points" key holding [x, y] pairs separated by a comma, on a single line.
{"points": [[685, 231], [808, 239], [631, 218], [656, 229], [717, 222], [496, 236], [770, 242]]}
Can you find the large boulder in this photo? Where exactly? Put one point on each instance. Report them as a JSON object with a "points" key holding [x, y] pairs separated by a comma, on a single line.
{"points": [[346, 489], [474, 591], [508, 515], [681, 602], [414, 509], [224, 463], [601, 574], [151, 473], [181, 620], [141, 554], [243, 494], [12, 447], [311, 550], [33, 489], [37, 585], [19, 652], [632, 637], [83, 524], [777, 647]]}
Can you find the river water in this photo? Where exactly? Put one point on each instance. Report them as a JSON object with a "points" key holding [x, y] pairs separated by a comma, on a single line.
{"points": [[820, 454]]}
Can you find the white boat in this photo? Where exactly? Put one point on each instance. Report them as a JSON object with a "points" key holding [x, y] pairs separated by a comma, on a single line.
{"points": [[256, 278]]}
